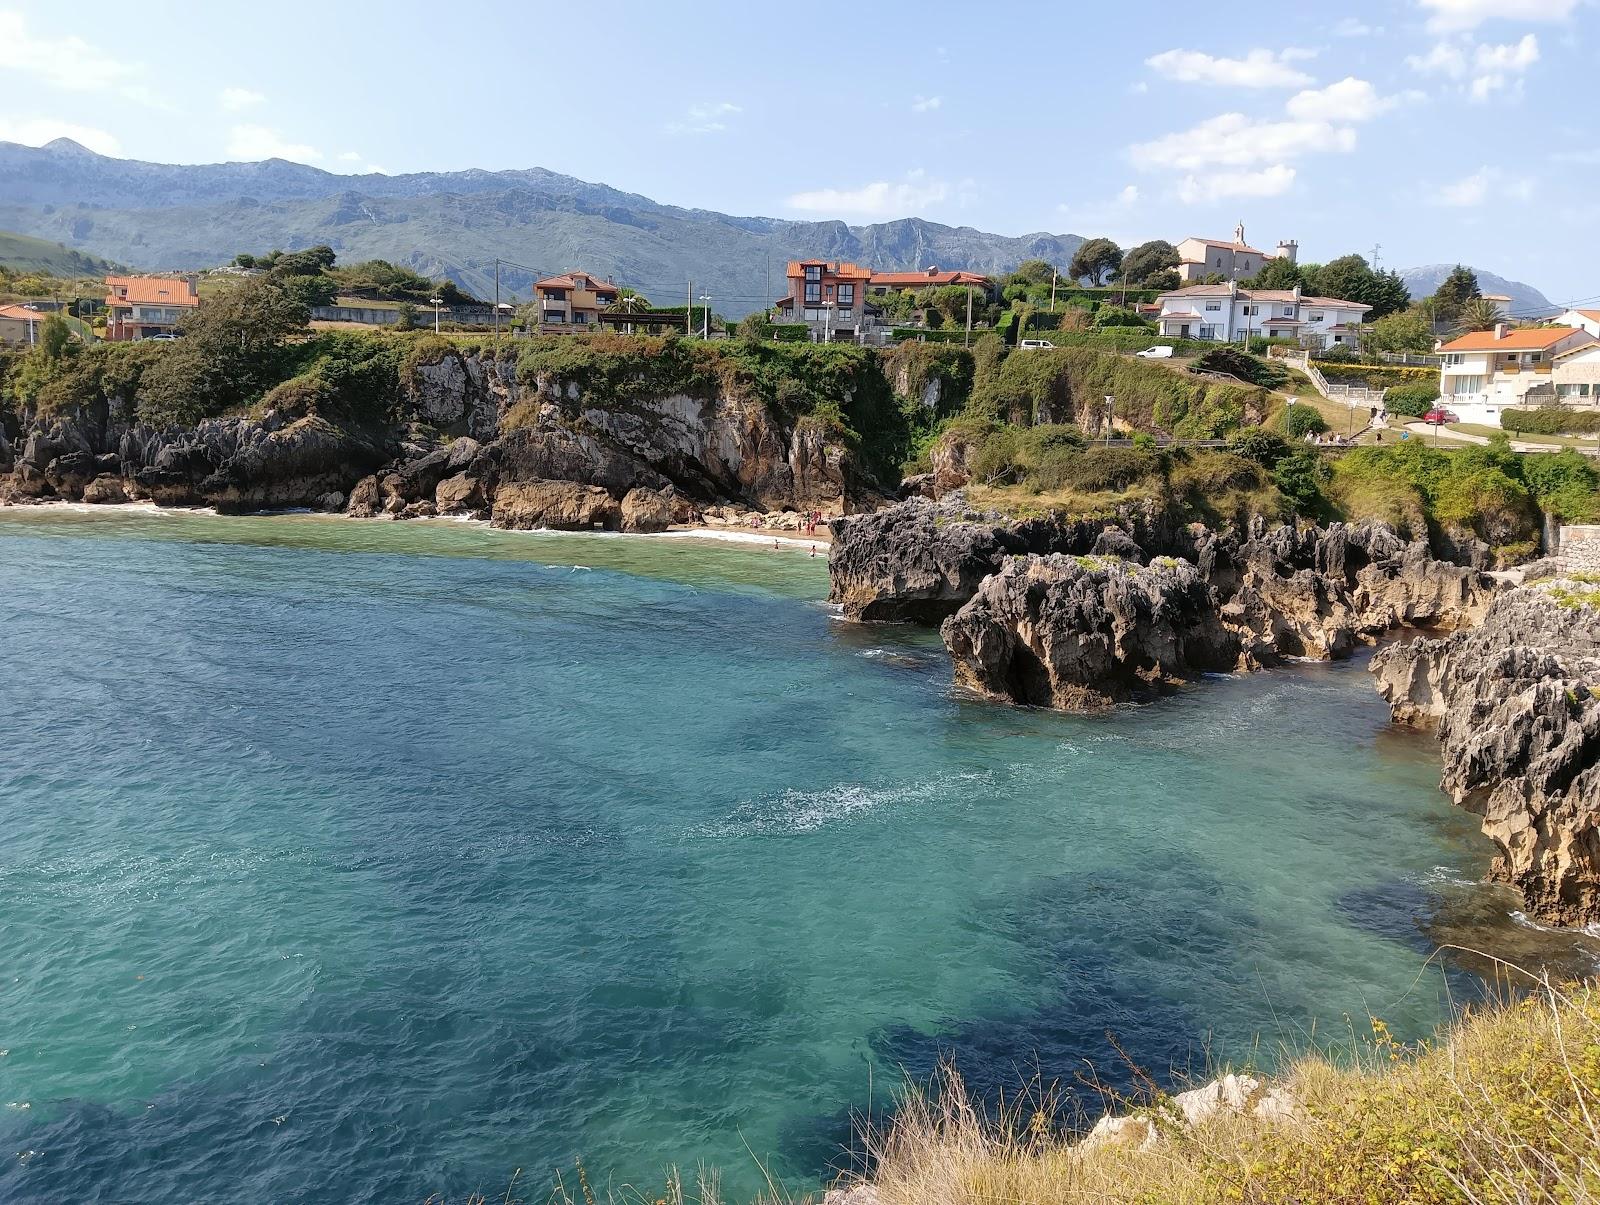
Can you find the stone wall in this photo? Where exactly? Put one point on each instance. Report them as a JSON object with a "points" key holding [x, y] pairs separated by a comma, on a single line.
{"points": [[1580, 547]]}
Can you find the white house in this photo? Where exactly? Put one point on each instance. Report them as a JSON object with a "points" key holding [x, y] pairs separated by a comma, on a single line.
{"points": [[1227, 313], [1576, 376], [1487, 371], [1232, 259], [1584, 320]]}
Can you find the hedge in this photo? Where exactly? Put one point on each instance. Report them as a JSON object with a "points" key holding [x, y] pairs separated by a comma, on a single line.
{"points": [[1552, 420], [1375, 376]]}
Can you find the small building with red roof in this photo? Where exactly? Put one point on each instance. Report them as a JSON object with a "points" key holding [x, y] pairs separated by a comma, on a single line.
{"points": [[145, 307], [830, 297], [572, 302]]}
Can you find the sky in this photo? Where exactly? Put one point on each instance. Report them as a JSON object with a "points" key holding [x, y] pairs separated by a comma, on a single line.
{"points": [[1435, 130]]}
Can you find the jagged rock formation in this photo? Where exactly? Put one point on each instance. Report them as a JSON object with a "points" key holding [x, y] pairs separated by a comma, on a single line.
{"points": [[1084, 633], [546, 454], [1083, 614], [1516, 705]]}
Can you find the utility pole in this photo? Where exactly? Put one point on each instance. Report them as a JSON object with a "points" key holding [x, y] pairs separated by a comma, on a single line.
{"points": [[1053, 275], [1111, 410], [705, 327], [688, 311], [497, 314], [1376, 247], [967, 340]]}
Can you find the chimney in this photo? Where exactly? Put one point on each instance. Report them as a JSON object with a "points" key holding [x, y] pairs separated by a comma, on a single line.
{"points": [[1501, 330], [1233, 288]]}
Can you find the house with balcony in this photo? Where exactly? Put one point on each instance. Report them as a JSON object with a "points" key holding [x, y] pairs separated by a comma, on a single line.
{"points": [[1231, 259], [1486, 372], [830, 298], [571, 303], [145, 307], [1229, 313], [1576, 376]]}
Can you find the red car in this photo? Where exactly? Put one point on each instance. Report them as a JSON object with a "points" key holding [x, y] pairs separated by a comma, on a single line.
{"points": [[1440, 417]]}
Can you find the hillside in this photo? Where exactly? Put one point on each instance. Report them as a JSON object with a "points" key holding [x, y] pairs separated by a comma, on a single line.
{"points": [[21, 254], [1526, 301], [456, 224]]}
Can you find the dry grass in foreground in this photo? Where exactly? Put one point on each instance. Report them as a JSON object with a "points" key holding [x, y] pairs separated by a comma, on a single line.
{"points": [[1503, 1107]]}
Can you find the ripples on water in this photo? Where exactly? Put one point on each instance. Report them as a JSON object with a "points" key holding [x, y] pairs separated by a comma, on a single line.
{"points": [[362, 861]]}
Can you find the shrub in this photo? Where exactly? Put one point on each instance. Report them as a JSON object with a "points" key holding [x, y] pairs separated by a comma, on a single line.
{"points": [[1302, 477], [1552, 420], [1565, 484], [1302, 420], [1236, 362], [1262, 446], [1411, 401]]}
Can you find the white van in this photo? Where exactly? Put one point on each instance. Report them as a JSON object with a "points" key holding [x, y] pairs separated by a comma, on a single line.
{"points": [[1155, 353], [1039, 344]]}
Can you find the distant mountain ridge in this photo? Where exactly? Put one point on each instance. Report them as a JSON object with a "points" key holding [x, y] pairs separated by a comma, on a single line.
{"points": [[457, 224], [1526, 301]]}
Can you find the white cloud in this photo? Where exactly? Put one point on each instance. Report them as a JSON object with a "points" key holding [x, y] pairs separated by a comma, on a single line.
{"points": [[1258, 68], [1466, 192], [36, 131], [1271, 181], [234, 99], [351, 156], [1454, 16], [69, 63], [882, 198], [704, 119], [1350, 99], [1485, 67], [924, 104], [250, 143], [1128, 195], [1234, 140], [1354, 27]]}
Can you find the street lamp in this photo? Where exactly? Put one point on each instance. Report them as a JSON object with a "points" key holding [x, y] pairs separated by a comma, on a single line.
{"points": [[436, 302], [1111, 409], [827, 322], [705, 321]]}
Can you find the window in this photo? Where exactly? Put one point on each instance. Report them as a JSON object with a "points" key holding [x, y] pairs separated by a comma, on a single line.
{"points": [[1252, 310], [847, 294], [1576, 391], [813, 292], [1536, 357], [1208, 332], [1314, 316], [847, 313], [1460, 386], [1288, 311], [1214, 306], [1454, 357], [814, 272], [1219, 261], [555, 316]]}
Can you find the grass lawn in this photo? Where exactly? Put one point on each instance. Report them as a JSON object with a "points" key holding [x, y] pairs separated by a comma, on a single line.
{"points": [[1529, 437]]}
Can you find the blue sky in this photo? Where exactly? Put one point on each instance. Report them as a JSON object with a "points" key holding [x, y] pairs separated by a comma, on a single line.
{"points": [[1443, 130]]}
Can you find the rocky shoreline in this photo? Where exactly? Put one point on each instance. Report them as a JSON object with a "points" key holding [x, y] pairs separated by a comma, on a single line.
{"points": [[1089, 614]]}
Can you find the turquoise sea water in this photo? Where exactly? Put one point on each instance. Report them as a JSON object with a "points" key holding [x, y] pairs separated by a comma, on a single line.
{"points": [[363, 861]]}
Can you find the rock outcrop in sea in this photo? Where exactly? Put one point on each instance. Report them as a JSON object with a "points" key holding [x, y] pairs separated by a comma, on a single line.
{"points": [[1085, 614], [1516, 706]]}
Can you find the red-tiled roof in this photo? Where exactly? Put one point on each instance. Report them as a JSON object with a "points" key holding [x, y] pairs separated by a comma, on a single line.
{"points": [[21, 313], [150, 290], [569, 280], [839, 271], [931, 276], [1532, 338], [1591, 315]]}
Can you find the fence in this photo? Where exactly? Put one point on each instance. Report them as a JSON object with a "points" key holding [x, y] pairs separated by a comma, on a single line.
{"points": [[1350, 395]]}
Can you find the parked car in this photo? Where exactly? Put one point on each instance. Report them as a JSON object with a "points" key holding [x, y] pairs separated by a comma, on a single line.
{"points": [[1155, 353], [1036, 344], [1439, 418], [164, 337]]}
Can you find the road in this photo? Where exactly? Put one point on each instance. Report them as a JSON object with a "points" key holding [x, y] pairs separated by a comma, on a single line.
{"points": [[1447, 436]]}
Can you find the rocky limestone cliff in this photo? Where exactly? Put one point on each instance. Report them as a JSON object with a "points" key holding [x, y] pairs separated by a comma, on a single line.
{"points": [[467, 439], [1516, 706]]}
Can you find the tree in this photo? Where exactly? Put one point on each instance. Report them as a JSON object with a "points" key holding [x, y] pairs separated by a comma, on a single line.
{"points": [[1408, 331], [629, 301], [232, 349], [244, 260], [1279, 273], [755, 327], [1034, 271], [1096, 261], [1454, 291], [1147, 264], [1478, 314], [1347, 278], [313, 261]]}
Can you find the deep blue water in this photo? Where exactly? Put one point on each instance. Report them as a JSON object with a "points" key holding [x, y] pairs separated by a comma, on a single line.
{"points": [[360, 861]]}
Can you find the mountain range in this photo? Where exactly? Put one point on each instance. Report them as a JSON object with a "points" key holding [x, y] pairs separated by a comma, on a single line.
{"points": [[1526, 301], [458, 224]]}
